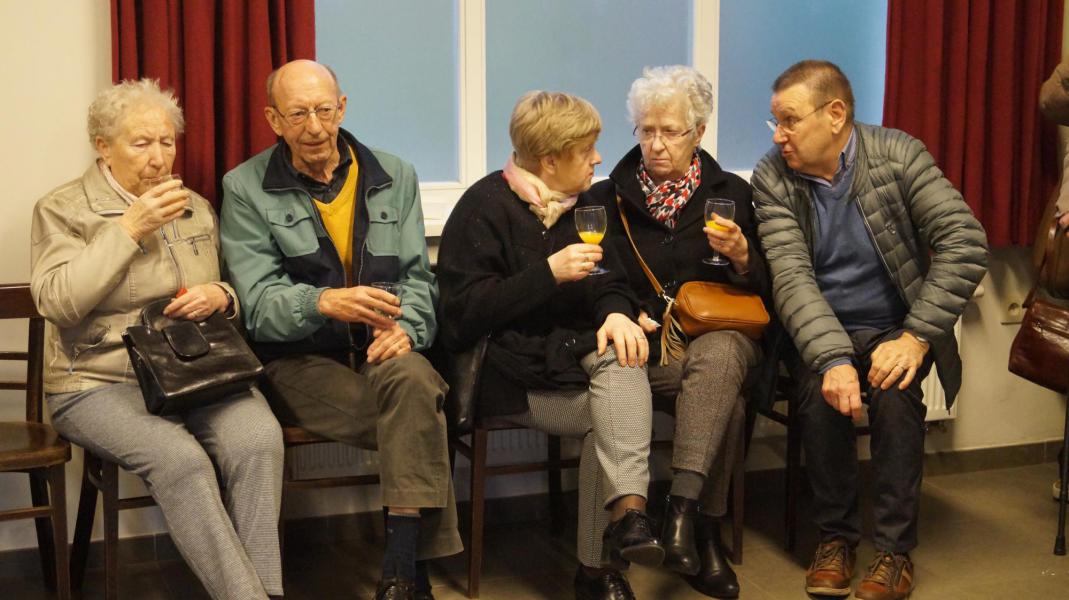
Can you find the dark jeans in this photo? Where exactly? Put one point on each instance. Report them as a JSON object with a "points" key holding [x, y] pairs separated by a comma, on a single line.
{"points": [[896, 422]]}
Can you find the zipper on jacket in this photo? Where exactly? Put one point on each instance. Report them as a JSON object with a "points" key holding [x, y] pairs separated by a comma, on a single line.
{"points": [[79, 352], [883, 261]]}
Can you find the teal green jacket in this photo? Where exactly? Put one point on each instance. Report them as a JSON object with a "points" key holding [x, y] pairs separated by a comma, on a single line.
{"points": [[280, 258]]}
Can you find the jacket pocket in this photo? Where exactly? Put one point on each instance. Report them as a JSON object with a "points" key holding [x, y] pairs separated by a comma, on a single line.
{"points": [[294, 231], [384, 235]]}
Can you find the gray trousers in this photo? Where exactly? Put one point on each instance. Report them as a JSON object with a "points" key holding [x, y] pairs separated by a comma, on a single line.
{"points": [[228, 536], [394, 408], [710, 408], [613, 418]]}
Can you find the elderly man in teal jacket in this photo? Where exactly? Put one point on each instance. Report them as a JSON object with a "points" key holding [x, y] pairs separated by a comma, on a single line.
{"points": [[873, 256], [311, 229]]}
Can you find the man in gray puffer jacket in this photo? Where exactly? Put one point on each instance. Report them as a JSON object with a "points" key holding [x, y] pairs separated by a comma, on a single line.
{"points": [[873, 256]]}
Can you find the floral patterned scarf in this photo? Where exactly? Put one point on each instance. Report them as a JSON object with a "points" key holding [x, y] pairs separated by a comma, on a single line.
{"points": [[664, 201]]}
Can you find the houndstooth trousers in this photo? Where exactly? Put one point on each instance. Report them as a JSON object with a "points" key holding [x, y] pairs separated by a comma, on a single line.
{"points": [[613, 418], [228, 537]]}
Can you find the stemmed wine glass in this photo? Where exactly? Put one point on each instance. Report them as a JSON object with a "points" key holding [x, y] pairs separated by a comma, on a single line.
{"points": [[722, 208], [590, 222]]}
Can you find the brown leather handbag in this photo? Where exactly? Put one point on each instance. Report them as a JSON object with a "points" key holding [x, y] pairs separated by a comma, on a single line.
{"points": [[700, 307], [1040, 350]]}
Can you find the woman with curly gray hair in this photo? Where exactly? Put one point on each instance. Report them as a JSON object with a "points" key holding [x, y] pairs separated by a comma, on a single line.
{"points": [[661, 186], [105, 245]]}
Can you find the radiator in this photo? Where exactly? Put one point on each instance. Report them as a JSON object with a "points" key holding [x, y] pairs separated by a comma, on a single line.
{"points": [[934, 396]]}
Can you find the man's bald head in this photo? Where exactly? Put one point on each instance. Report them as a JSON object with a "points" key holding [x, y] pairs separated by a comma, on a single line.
{"points": [[299, 70]]}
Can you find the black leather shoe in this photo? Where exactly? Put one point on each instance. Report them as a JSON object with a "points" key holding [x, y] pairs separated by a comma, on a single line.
{"points": [[610, 586], [630, 540], [396, 589], [677, 535], [715, 577]]}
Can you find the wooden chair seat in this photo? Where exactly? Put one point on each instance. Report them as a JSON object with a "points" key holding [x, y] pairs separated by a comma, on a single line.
{"points": [[299, 436], [31, 445]]}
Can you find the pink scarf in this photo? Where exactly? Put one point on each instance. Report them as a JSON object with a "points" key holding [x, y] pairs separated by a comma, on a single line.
{"points": [[548, 205]]}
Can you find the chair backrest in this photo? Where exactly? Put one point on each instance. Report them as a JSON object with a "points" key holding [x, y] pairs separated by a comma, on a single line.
{"points": [[17, 303], [461, 370]]}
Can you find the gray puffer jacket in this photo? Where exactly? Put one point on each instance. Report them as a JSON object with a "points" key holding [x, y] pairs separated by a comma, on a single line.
{"points": [[933, 247]]}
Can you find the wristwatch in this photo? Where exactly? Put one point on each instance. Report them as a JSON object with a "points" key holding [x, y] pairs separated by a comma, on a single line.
{"points": [[229, 300]]}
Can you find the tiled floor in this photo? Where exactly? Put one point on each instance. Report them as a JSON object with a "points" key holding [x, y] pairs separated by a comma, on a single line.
{"points": [[984, 535]]}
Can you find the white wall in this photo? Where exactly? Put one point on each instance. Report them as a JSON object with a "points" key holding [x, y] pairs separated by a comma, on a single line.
{"points": [[56, 56]]}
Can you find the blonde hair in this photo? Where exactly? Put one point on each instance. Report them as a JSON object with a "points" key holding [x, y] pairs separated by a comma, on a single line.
{"points": [[658, 86], [110, 106], [548, 124]]}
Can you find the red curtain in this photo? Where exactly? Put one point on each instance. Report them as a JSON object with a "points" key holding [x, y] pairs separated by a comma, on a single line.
{"points": [[215, 55], [964, 77]]}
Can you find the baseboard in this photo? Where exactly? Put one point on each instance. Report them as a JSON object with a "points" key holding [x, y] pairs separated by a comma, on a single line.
{"points": [[531, 507]]}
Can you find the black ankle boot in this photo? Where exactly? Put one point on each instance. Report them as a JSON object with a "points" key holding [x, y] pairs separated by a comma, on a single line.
{"points": [[715, 577], [677, 535]]}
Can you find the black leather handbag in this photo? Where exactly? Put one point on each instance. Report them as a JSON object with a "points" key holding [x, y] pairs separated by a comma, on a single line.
{"points": [[182, 365]]}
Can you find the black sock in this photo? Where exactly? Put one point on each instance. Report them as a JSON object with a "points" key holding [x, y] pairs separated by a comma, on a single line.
{"points": [[423, 579], [402, 537]]}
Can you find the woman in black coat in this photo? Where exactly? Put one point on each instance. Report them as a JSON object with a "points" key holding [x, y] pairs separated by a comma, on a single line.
{"points": [[662, 185], [565, 354]]}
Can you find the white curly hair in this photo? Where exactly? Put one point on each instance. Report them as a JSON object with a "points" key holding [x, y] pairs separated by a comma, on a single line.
{"points": [[659, 86], [110, 106]]}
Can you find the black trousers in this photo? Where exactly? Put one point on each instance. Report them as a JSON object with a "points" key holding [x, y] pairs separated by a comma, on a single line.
{"points": [[896, 422]]}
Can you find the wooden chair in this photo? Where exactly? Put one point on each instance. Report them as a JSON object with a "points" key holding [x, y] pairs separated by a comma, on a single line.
{"points": [[101, 476], [34, 448], [297, 437], [462, 371]]}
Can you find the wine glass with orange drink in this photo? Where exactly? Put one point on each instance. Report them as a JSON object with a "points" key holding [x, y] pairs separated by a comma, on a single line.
{"points": [[725, 209], [591, 222]]}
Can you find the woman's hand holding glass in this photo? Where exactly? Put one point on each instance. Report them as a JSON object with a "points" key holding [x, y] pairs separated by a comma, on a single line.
{"points": [[198, 302], [574, 262], [163, 201], [725, 237]]}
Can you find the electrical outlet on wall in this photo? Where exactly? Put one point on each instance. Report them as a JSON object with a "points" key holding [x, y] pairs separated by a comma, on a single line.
{"points": [[1012, 312]]}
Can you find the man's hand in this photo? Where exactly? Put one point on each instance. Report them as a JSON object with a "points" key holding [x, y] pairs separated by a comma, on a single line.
{"points": [[646, 323], [574, 262], [361, 304], [842, 390], [727, 239], [896, 360], [632, 349], [154, 209], [388, 343], [1063, 221]]}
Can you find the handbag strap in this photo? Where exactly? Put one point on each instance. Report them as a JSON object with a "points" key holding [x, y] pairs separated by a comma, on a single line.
{"points": [[645, 268], [1048, 258]]}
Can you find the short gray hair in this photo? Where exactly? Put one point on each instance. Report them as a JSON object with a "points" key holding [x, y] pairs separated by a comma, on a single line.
{"points": [[273, 75], [110, 106], [660, 85]]}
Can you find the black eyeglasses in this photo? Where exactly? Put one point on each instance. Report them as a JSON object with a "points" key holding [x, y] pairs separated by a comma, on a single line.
{"points": [[789, 124]]}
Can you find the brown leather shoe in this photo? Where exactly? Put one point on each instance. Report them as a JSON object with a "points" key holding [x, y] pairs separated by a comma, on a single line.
{"points": [[890, 577], [832, 568]]}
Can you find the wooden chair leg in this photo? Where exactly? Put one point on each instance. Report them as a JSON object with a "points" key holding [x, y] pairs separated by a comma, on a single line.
{"points": [[738, 501], [478, 499], [58, 486], [83, 525], [45, 534], [556, 499], [109, 480], [793, 474]]}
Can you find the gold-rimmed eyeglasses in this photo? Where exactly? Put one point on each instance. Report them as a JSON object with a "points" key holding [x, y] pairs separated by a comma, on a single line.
{"points": [[325, 113], [790, 124]]}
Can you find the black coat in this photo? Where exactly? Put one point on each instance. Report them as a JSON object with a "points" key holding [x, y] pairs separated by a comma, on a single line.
{"points": [[495, 280], [675, 255]]}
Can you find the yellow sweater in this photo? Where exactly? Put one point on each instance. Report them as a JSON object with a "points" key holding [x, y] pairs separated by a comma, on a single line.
{"points": [[338, 218]]}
